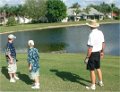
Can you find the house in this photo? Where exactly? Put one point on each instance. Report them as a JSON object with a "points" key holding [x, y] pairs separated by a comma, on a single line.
{"points": [[72, 16], [19, 19], [22, 20], [92, 14], [3, 19], [112, 15]]}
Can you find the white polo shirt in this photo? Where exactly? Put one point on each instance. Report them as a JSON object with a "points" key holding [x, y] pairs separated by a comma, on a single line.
{"points": [[96, 38]]}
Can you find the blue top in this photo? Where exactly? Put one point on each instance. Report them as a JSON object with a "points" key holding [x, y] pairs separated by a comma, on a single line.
{"points": [[33, 59], [10, 49]]}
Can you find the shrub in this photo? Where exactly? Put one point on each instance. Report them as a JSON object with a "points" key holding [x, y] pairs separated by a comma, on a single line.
{"points": [[117, 17], [11, 21]]}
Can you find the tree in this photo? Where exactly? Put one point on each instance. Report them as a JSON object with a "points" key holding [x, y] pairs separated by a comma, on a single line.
{"points": [[116, 10], [21, 10], [103, 7], [87, 9], [112, 6], [77, 10], [75, 5], [56, 10], [6, 9], [35, 8], [13, 10], [107, 9], [11, 21]]}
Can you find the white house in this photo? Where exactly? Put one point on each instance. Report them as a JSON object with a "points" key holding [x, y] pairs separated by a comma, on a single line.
{"points": [[22, 20], [3, 19], [92, 14]]}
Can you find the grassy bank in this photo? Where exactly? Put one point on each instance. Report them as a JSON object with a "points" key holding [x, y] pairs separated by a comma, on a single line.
{"points": [[61, 72], [25, 27]]}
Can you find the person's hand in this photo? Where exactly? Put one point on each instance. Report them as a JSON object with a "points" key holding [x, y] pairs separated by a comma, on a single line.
{"points": [[30, 68], [86, 60], [101, 55], [11, 61]]}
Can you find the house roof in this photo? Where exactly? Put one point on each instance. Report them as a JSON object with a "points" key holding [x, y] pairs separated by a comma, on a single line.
{"points": [[94, 12], [2, 15], [70, 12]]}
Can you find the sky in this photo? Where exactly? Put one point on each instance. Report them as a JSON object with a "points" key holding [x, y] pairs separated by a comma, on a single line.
{"points": [[83, 3]]}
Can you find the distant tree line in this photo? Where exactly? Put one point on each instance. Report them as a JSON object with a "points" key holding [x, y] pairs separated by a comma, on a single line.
{"points": [[38, 10], [51, 10], [107, 9], [104, 8]]}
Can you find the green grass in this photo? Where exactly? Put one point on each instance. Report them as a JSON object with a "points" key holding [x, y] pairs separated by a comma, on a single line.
{"points": [[24, 27], [61, 72]]}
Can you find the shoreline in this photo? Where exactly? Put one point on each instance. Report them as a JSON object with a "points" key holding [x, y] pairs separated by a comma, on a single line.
{"points": [[58, 26]]}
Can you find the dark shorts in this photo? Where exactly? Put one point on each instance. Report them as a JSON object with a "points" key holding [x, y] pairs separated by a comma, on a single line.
{"points": [[94, 61]]}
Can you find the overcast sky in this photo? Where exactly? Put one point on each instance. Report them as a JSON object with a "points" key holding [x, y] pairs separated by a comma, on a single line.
{"points": [[83, 3]]}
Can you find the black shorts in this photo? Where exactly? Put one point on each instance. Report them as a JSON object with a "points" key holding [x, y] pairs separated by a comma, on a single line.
{"points": [[94, 61]]}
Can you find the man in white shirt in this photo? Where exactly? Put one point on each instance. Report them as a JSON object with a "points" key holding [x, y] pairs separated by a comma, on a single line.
{"points": [[96, 45]]}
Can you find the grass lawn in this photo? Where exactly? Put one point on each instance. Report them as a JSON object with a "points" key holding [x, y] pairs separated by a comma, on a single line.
{"points": [[61, 72], [24, 27]]}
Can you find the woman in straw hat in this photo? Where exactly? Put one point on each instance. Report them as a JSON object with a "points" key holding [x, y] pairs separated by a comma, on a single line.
{"points": [[96, 45]]}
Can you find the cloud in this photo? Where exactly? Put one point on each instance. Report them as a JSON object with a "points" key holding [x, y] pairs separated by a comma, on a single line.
{"points": [[84, 3], [11, 2], [69, 3]]}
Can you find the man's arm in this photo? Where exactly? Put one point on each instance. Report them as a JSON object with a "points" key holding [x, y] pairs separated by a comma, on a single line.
{"points": [[89, 52], [102, 51], [11, 59], [88, 55], [8, 54], [30, 55], [103, 47], [30, 67]]}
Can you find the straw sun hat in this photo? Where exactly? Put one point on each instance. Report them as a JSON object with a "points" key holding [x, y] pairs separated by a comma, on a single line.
{"points": [[93, 23]]}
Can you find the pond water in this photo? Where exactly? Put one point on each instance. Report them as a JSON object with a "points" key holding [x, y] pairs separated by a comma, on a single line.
{"points": [[68, 39]]}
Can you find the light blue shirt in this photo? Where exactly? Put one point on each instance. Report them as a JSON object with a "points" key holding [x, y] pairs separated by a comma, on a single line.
{"points": [[33, 59]]}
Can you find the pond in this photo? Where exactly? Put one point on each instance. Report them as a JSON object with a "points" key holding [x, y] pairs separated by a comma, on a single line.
{"points": [[68, 39]]}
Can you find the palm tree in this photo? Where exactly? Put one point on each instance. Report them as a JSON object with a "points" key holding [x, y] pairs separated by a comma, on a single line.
{"points": [[112, 6], [86, 10], [77, 10], [75, 5]]}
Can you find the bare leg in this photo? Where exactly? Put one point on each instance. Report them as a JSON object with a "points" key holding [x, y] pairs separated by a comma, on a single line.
{"points": [[14, 75], [99, 74], [37, 80], [37, 84], [10, 74], [93, 77], [100, 77]]}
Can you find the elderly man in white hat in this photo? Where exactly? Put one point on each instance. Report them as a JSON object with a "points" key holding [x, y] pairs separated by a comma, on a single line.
{"points": [[33, 62], [96, 45], [11, 58]]}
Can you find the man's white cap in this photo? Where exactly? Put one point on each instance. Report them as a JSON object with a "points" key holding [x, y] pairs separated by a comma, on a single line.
{"points": [[31, 43], [11, 36]]}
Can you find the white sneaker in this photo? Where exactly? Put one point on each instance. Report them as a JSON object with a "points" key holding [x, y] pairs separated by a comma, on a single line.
{"points": [[100, 84], [35, 87], [12, 80], [16, 78], [91, 87]]}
